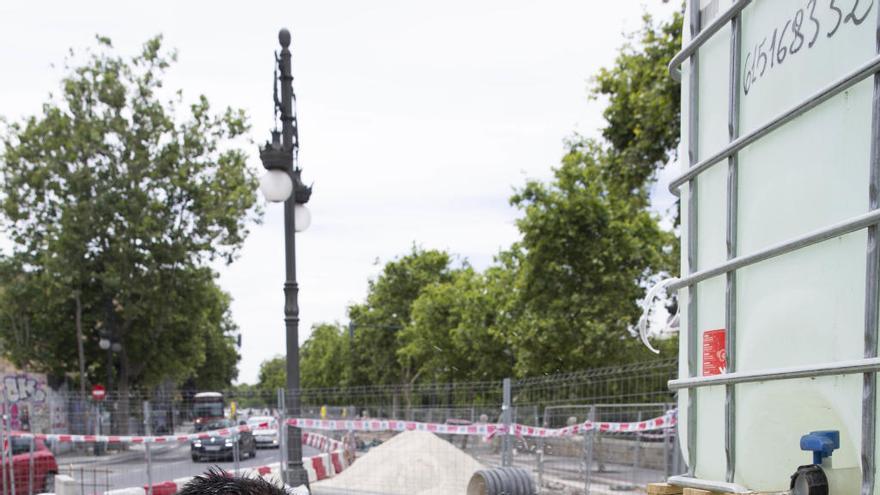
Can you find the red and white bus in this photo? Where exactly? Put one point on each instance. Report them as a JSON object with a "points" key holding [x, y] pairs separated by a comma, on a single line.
{"points": [[207, 407]]}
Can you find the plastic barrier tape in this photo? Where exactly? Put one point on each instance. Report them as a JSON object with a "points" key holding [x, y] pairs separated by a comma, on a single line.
{"points": [[64, 438], [668, 420], [325, 444]]}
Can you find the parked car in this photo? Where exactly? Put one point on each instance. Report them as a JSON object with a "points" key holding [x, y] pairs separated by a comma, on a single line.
{"points": [[44, 467], [215, 448], [265, 430]]}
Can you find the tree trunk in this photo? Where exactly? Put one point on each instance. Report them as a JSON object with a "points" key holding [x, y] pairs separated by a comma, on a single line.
{"points": [[123, 409], [83, 400], [79, 346]]}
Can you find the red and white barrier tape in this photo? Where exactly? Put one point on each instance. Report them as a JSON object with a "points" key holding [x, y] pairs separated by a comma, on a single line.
{"points": [[488, 430], [484, 429], [64, 438]]}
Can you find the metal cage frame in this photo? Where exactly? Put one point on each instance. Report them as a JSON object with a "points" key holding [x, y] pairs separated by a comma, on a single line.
{"points": [[870, 364]]}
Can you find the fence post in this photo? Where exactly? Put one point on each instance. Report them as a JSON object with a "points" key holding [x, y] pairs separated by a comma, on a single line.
{"points": [[588, 451], [97, 449], [236, 452], [282, 439], [147, 448], [637, 454], [540, 443], [8, 442], [3, 438], [31, 467], [506, 454], [667, 461]]}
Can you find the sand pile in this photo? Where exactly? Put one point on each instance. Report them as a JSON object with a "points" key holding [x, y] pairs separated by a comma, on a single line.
{"points": [[413, 462]]}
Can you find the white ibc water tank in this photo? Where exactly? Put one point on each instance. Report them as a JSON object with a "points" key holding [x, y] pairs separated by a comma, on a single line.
{"points": [[778, 293]]}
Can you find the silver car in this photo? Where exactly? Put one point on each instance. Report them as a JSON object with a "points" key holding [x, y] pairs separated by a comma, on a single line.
{"points": [[265, 430]]}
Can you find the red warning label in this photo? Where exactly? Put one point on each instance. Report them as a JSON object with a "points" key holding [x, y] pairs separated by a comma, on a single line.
{"points": [[714, 352]]}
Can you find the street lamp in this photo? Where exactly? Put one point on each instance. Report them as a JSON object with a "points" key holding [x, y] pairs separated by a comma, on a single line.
{"points": [[105, 344], [282, 182]]}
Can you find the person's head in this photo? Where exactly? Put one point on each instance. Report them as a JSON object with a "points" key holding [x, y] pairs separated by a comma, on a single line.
{"points": [[218, 482]]}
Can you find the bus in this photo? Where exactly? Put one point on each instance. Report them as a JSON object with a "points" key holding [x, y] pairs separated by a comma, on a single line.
{"points": [[207, 407]]}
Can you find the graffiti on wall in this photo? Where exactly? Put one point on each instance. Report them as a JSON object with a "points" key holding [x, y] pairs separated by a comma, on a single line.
{"points": [[28, 400], [24, 388]]}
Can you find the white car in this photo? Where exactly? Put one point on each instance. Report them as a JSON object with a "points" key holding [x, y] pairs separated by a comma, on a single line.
{"points": [[265, 430]]}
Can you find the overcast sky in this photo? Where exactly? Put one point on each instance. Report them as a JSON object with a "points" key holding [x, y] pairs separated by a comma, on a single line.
{"points": [[417, 118]]}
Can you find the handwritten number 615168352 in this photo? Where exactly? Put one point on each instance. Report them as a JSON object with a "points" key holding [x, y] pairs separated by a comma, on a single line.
{"points": [[789, 38]]}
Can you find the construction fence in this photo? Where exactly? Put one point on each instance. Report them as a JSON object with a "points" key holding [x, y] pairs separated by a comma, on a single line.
{"points": [[592, 441]]}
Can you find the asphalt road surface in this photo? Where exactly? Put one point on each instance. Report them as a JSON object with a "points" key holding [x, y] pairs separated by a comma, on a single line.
{"points": [[129, 469]]}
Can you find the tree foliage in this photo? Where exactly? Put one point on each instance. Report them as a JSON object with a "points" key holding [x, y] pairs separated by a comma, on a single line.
{"points": [[272, 376], [642, 117], [590, 243], [454, 334], [586, 252], [219, 367], [387, 310], [565, 295], [118, 195], [325, 358]]}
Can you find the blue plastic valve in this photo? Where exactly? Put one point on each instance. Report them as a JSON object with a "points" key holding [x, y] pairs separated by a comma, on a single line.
{"points": [[821, 443]]}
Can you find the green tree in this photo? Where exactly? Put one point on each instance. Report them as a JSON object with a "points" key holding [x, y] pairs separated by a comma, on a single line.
{"points": [[387, 310], [250, 396], [586, 252], [642, 117], [324, 358], [220, 366], [115, 193], [454, 334], [564, 296], [589, 243], [273, 375]]}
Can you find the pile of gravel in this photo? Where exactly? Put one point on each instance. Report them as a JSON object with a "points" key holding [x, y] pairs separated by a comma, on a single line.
{"points": [[413, 462]]}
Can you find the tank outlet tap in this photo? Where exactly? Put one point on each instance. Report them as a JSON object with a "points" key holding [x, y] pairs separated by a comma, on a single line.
{"points": [[821, 443], [820, 478]]}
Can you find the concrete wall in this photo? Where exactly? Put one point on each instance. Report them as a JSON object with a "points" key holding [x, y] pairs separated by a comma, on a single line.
{"points": [[33, 406], [610, 450]]}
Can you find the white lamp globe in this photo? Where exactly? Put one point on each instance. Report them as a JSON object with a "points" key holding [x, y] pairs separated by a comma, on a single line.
{"points": [[276, 185], [302, 217], [104, 344]]}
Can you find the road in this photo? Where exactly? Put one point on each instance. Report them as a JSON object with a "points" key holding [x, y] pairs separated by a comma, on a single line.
{"points": [[129, 469]]}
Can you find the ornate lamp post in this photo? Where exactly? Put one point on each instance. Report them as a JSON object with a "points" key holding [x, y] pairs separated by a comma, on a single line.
{"points": [[282, 182]]}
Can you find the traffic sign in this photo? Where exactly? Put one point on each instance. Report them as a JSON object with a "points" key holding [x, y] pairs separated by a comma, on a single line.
{"points": [[98, 392]]}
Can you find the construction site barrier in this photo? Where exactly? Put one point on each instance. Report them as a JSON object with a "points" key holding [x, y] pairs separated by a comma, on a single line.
{"points": [[488, 430]]}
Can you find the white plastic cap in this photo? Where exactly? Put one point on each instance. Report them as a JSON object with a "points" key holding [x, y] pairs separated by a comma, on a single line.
{"points": [[302, 217], [276, 185]]}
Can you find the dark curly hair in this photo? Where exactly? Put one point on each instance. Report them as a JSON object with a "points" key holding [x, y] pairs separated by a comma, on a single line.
{"points": [[218, 482]]}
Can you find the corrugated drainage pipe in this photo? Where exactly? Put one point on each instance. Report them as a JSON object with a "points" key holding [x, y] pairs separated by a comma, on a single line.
{"points": [[502, 481]]}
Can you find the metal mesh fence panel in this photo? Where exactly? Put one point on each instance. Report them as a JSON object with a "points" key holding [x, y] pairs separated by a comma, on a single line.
{"points": [[605, 461], [583, 462], [104, 445]]}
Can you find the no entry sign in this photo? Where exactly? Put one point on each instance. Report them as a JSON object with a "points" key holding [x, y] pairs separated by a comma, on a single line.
{"points": [[99, 392]]}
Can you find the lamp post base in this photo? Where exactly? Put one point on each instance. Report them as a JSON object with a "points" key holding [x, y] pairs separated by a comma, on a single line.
{"points": [[296, 475]]}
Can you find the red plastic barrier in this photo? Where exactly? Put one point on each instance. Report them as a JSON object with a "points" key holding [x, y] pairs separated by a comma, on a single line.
{"points": [[164, 488], [318, 464], [337, 462]]}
